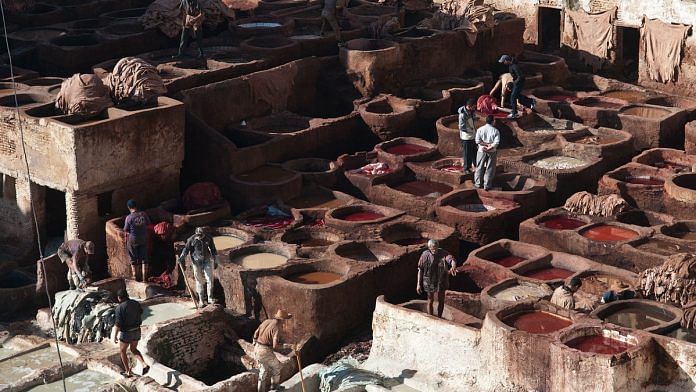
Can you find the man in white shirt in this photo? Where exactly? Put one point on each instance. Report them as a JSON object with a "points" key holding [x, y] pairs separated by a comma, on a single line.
{"points": [[487, 139]]}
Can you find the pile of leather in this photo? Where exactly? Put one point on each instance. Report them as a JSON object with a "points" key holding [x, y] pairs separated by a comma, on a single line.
{"points": [[84, 315], [134, 81], [586, 203], [467, 15], [83, 94], [673, 282]]}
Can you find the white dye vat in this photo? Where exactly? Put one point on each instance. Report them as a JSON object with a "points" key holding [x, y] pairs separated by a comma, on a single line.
{"points": [[260, 260], [559, 163], [257, 25], [520, 292], [224, 242], [13, 369], [84, 381], [153, 314]]}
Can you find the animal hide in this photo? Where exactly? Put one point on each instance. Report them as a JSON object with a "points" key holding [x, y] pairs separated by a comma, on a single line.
{"points": [[586, 203], [134, 80], [672, 282], [662, 45], [591, 34]]}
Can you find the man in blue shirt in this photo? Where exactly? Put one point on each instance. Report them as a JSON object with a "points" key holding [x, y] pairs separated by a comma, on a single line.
{"points": [[135, 229]]}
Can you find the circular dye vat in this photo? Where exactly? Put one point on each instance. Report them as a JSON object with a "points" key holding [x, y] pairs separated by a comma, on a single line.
{"points": [[684, 235], [316, 277], [224, 242], [595, 140], [311, 241], [598, 344], [537, 322], [639, 317], [260, 260], [562, 223], [626, 95], [452, 168], [423, 188], [269, 222], [257, 25], [559, 162], [316, 200], [550, 273], [520, 292], [676, 167], [410, 241], [508, 261], [599, 103], [406, 149], [662, 247], [362, 216], [266, 174], [646, 112], [608, 233], [644, 180]]}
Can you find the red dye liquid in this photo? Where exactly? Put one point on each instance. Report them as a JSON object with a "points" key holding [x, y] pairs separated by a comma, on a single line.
{"points": [[598, 344], [548, 273], [538, 322], [500, 114], [562, 223], [411, 241], [362, 216], [509, 261], [608, 233], [315, 222], [452, 168], [406, 149], [269, 222], [560, 98], [644, 180], [674, 166]]}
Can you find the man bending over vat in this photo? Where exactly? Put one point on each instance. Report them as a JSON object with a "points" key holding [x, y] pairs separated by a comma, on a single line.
{"points": [[563, 295], [266, 339], [75, 254], [433, 266], [127, 330]]}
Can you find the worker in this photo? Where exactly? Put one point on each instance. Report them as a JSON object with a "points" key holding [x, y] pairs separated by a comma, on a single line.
{"points": [[203, 259], [563, 295], [75, 254], [266, 340], [517, 82], [329, 14], [618, 291], [467, 133], [433, 266], [135, 230], [487, 139], [501, 84], [192, 26], [126, 332]]}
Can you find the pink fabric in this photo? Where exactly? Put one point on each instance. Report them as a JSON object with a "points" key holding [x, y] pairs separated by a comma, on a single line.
{"points": [[486, 104]]}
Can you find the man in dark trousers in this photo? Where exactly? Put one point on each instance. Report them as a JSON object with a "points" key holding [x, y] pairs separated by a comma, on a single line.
{"points": [[517, 82], [434, 266], [467, 133], [192, 26], [75, 254], [135, 229], [127, 330]]}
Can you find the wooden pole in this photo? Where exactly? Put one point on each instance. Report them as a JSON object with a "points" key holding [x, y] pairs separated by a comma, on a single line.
{"points": [[299, 366], [183, 275]]}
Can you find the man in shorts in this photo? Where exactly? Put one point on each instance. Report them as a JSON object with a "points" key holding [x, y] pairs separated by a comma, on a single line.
{"points": [[135, 228], [127, 330], [433, 267]]}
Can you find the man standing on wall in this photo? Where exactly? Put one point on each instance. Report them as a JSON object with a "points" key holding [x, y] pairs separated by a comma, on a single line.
{"points": [[135, 229], [488, 139], [266, 339], [329, 14], [517, 82], [192, 26], [203, 253], [467, 132], [127, 330], [75, 254], [433, 268]]}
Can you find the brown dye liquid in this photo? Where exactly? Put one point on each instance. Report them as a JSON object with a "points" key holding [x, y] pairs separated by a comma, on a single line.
{"points": [[662, 248], [551, 273], [626, 95], [595, 140], [316, 201], [674, 166], [317, 277], [596, 103], [646, 112], [509, 261], [265, 174], [562, 223], [598, 344], [423, 188], [307, 242], [538, 322], [609, 233], [639, 318]]}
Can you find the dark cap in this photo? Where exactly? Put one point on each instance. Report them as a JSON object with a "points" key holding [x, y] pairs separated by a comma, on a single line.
{"points": [[132, 204], [504, 58], [122, 293]]}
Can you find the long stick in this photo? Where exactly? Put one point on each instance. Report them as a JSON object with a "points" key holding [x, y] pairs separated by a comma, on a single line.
{"points": [[183, 275], [299, 366]]}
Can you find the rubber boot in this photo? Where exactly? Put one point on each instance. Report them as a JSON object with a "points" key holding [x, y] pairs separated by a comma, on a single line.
{"points": [[146, 271], [134, 270]]}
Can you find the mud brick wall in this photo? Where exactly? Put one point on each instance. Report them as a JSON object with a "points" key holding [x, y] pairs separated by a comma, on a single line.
{"points": [[189, 344], [17, 233]]}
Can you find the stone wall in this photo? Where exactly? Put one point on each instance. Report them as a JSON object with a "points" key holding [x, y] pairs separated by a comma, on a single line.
{"points": [[17, 232]]}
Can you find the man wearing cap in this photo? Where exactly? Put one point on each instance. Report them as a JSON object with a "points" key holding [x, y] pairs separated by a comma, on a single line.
{"points": [[135, 229], [433, 267], [467, 132], [75, 254], [563, 295], [203, 259], [517, 82], [266, 339], [128, 315]]}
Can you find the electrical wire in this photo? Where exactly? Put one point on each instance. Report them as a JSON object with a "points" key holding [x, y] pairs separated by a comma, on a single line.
{"points": [[31, 198]]}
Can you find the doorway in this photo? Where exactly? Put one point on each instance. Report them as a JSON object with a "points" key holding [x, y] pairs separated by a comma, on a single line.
{"points": [[629, 50], [549, 29], [56, 220]]}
